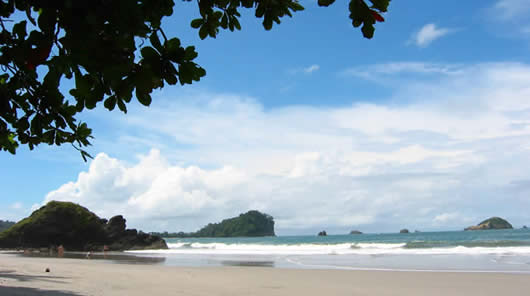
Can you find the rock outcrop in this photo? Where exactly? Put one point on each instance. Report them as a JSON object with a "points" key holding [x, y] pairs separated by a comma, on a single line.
{"points": [[491, 223], [77, 229], [404, 230], [322, 233], [355, 232]]}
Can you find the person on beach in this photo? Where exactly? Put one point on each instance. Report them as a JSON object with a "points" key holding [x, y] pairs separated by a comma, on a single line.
{"points": [[60, 251], [105, 250]]}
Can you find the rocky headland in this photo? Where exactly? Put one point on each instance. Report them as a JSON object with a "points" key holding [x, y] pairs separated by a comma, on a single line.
{"points": [[76, 229]]}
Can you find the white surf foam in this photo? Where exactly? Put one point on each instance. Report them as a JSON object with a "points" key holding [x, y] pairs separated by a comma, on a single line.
{"points": [[330, 249]]}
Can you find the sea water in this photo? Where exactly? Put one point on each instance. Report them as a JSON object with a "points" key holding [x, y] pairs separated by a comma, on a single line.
{"points": [[479, 251]]}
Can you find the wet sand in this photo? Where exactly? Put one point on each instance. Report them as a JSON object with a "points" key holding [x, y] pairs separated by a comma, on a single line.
{"points": [[69, 277]]}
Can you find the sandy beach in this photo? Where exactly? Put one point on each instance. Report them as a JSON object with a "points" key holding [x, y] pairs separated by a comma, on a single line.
{"points": [[27, 276]]}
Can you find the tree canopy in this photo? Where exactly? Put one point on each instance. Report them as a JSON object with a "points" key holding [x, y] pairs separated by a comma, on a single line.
{"points": [[113, 51], [250, 224]]}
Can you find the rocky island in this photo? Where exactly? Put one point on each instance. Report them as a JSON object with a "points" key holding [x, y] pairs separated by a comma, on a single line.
{"points": [[404, 230], [355, 232], [250, 224], [322, 233], [491, 223], [76, 229]]}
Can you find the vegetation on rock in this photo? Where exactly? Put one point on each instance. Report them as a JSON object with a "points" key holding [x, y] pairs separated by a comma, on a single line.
{"points": [[491, 223], [251, 224], [74, 227], [5, 225]]}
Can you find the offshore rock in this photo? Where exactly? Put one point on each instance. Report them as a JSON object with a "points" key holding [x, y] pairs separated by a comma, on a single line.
{"points": [[491, 223]]}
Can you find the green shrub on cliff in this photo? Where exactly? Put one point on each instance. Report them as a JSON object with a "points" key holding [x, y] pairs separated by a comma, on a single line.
{"points": [[56, 223], [252, 223], [5, 225], [76, 228]]}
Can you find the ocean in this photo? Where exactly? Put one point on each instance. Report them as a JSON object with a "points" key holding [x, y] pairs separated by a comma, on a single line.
{"points": [[478, 251]]}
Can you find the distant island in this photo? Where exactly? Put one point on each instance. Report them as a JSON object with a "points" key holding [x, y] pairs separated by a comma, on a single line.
{"points": [[4, 225], [322, 233], [491, 223], [76, 229], [404, 230], [355, 232], [250, 224]]}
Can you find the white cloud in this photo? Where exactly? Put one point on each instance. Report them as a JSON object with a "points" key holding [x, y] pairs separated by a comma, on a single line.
{"points": [[511, 9], [429, 33], [456, 144], [311, 69], [385, 70], [446, 217], [304, 70]]}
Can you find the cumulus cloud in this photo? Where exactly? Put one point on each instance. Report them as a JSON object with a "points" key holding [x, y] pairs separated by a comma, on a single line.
{"points": [[429, 33], [457, 145]]}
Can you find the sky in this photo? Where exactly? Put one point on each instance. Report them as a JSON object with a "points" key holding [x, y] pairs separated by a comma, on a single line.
{"points": [[426, 126]]}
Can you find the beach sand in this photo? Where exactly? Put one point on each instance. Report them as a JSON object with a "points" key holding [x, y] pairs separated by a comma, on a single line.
{"points": [[68, 277]]}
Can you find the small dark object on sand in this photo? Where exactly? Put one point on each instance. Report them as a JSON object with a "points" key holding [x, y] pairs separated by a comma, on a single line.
{"points": [[47, 270]]}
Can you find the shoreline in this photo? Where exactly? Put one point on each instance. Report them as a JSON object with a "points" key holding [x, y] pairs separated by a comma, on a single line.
{"points": [[27, 276], [286, 262]]}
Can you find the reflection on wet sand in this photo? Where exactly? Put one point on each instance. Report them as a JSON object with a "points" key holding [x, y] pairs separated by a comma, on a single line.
{"points": [[114, 257], [247, 263]]}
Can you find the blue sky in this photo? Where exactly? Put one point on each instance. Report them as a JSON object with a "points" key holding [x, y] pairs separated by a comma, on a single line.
{"points": [[426, 126]]}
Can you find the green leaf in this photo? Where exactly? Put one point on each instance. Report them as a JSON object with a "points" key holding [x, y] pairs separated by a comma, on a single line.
{"points": [[20, 29], [150, 54], [267, 23], [122, 106], [203, 31], [110, 103], [236, 23], [143, 98], [224, 21], [325, 2], [155, 42], [173, 44], [381, 5], [85, 155], [190, 53], [196, 23], [368, 30]]}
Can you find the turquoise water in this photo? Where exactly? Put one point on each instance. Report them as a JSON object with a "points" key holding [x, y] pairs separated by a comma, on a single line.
{"points": [[485, 238], [487, 250]]}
